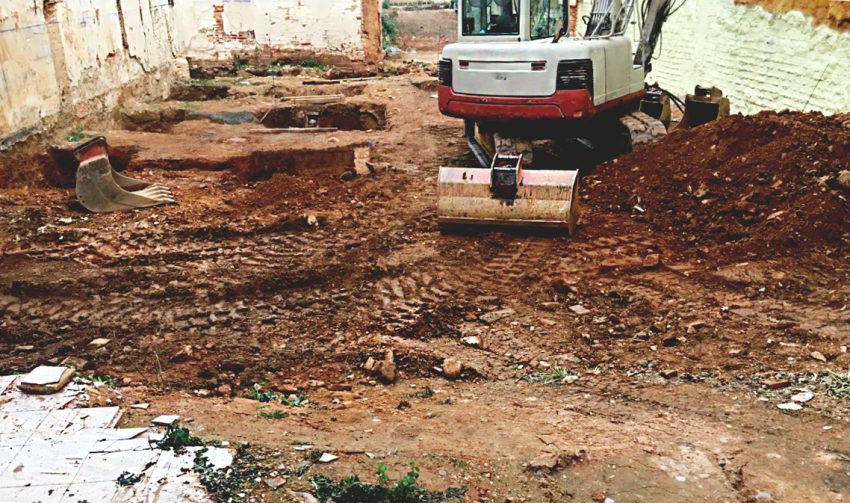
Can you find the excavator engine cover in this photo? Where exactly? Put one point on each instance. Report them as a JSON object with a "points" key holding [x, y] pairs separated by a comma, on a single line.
{"points": [[101, 189], [506, 194]]}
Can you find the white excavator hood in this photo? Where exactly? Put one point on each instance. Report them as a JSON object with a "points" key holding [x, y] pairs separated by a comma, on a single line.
{"points": [[516, 69]]}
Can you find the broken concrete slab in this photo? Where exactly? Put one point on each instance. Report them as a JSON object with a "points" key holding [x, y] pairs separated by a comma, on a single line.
{"points": [[45, 380], [165, 420], [52, 453]]}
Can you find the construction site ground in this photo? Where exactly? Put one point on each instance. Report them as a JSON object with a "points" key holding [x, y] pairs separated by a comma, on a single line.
{"points": [[634, 361]]}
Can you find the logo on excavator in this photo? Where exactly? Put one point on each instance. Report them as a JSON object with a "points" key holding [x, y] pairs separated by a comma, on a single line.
{"points": [[501, 76]]}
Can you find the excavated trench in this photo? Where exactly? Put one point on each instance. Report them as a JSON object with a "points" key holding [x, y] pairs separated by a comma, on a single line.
{"points": [[342, 116]]}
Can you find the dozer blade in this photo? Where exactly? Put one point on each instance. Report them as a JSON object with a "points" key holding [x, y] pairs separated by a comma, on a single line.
{"points": [[544, 198], [707, 104], [101, 189]]}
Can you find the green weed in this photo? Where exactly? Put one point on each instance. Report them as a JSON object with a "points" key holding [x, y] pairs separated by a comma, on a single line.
{"points": [[406, 490], [76, 135], [178, 438], [553, 376]]}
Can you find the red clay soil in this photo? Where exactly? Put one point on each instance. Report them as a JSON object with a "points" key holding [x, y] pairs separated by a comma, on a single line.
{"points": [[742, 188]]}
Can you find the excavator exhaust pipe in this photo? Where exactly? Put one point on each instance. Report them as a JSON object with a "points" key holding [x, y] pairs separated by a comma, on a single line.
{"points": [[100, 189], [507, 195]]}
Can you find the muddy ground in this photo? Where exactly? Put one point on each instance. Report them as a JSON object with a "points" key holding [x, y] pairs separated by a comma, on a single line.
{"points": [[618, 363]]}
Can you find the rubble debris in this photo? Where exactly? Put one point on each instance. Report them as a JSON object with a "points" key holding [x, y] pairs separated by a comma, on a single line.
{"points": [[80, 455], [579, 310], [493, 316], [165, 420], [802, 396], [790, 406], [384, 369], [817, 355], [46, 380], [452, 368], [100, 342], [327, 457]]}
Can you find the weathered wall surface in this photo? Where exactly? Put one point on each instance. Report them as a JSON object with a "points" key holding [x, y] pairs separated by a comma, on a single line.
{"points": [[78, 58], [835, 13], [761, 59], [351, 27]]}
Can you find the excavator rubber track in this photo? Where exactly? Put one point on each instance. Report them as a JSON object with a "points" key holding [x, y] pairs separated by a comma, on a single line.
{"points": [[642, 130]]}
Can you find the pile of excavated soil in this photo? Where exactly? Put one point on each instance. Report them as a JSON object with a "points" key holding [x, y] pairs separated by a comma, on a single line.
{"points": [[740, 188]]}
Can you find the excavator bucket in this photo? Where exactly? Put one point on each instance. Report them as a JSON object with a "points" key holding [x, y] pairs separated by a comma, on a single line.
{"points": [[707, 104], [507, 195], [101, 189]]}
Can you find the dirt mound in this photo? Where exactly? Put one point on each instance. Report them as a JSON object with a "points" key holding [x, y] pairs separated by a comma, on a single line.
{"points": [[740, 188]]}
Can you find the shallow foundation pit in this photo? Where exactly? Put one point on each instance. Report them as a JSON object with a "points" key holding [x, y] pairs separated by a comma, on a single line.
{"points": [[283, 91], [202, 91], [341, 116], [263, 164]]}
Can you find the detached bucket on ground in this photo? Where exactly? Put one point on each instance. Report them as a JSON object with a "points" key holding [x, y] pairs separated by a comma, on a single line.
{"points": [[100, 189]]}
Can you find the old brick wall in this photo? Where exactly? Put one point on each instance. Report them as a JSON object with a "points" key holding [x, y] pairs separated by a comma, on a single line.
{"points": [[762, 59]]}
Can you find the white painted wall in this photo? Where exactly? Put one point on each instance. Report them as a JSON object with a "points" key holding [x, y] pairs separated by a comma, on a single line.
{"points": [[316, 25], [761, 60], [73, 57], [79, 57]]}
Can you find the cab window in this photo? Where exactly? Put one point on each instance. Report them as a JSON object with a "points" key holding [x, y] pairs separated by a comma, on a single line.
{"points": [[491, 17], [547, 18]]}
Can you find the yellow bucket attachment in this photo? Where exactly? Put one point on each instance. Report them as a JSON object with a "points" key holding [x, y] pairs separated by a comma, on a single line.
{"points": [[101, 189], [507, 195]]}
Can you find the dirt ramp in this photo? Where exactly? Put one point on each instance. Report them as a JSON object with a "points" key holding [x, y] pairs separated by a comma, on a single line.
{"points": [[744, 187]]}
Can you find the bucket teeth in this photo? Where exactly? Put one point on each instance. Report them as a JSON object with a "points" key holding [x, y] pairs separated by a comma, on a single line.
{"points": [[101, 189]]}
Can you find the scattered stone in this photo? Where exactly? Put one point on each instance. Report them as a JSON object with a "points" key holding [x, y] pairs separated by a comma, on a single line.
{"points": [[776, 383], [844, 179], [140, 406], [165, 420], [803, 396], [790, 406], [225, 390], [100, 342], [651, 261], [817, 355], [743, 312], [472, 340], [550, 306], [549, 461], [694, 326], [579, 309], [327, 458], [494, 316], [45, 380], [275, 483], [24, 349], [452, 368], [763, 496], [669, 374]]}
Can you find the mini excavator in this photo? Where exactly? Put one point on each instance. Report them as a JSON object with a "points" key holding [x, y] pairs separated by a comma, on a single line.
{"points": [[535, 102]]}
